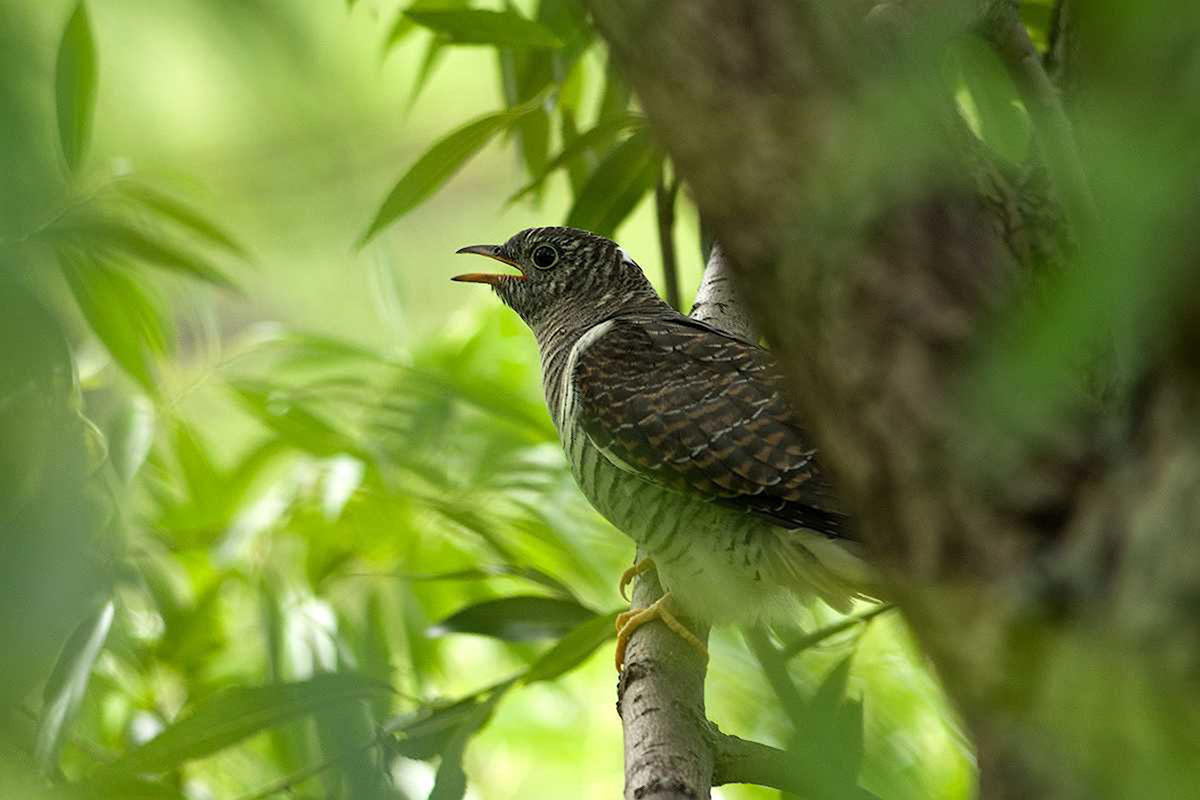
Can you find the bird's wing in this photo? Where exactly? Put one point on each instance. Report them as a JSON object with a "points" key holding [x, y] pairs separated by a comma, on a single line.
{"points": [[695, 410]]}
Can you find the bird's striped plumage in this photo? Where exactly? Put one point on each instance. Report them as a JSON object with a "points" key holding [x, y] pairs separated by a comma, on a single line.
{"points": [[681, 436]]}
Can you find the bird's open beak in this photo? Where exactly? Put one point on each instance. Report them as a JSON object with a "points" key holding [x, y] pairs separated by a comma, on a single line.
{"points": [[491, 251]]}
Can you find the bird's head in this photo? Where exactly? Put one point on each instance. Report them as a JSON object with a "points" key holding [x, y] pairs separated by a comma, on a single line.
{"points": [[565, 275]]}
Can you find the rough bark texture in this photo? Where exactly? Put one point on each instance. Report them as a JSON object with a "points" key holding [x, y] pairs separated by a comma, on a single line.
{"points": [[876, 273], [660, 697]]}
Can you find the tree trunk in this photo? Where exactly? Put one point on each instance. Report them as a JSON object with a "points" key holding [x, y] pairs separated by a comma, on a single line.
{"points": [[1048, 559]]}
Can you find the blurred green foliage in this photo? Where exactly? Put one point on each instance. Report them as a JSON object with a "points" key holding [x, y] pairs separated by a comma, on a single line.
{"points": [[284, 514]]}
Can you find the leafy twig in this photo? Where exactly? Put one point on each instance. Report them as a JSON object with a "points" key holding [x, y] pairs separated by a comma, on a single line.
{"points": [[816, 637]]}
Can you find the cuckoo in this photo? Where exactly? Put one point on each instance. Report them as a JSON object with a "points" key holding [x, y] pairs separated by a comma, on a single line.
{"points": [[679, 434]]}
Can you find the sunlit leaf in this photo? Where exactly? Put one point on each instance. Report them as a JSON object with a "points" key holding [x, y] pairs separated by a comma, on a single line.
{"points": [[478, 26], [404, 25], [496, 570], [132, 433], [516, 619], [181, 214], [109, 787], [1036, 14], [299, 426], [196, 466], [65, 689], [229, 716], [831, 764], [1003, 124], [436, 167], [579, 146], [121, 314], [616, 185], [75, 86], [376, 659], [434, 51], [571, 650], [450, 782], [91, 229]]}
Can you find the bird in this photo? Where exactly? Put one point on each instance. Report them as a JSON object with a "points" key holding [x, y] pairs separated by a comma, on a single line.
{"points": [[681, 435]]}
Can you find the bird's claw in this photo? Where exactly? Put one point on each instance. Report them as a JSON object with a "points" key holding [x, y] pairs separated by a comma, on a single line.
{"points": [[645, 565], [631, 620]]}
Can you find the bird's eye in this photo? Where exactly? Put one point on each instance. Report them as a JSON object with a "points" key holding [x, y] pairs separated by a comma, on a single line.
{"points": [[544, 256]]}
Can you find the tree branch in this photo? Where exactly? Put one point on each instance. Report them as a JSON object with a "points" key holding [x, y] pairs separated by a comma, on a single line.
{"points": [[1009, 38], [718, 302], [740, 761], [660, 697]]}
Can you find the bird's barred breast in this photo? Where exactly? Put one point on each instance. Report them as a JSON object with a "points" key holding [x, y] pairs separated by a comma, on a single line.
{"points": [[710, 557]]}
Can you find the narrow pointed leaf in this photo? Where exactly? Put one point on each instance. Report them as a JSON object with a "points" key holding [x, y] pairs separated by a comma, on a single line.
{"points": [[450, 783], [404, 25], [436, 167], [230, 716], [75, 86], [299, 426], [90, 229], [66, 687], [477, 26], [121, 314], [516, 619], [496, 570], [579, 146], [616, 185], [181, 214], [571, 650]]}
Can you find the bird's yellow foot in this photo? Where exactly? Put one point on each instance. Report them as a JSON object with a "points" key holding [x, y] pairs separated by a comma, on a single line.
{"points": [[645, 565], [631, 620]]}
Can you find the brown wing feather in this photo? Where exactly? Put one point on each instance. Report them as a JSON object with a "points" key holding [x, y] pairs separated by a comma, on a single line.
{"points": [[699, 411]]}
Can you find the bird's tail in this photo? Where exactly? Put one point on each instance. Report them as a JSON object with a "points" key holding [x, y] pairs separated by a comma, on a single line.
{"points": [[808, 562]]}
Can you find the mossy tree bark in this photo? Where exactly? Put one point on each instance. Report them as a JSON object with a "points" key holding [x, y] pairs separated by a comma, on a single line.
{"points": [[883, 255]]}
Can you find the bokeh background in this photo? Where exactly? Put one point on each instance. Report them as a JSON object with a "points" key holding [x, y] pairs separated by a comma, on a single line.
{"points": [[283, 513]]}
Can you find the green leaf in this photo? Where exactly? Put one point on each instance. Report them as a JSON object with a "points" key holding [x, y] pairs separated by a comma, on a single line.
{"points": [[616, 185], [75, 86], [496, 570], [403, 26], [477, 26], [131, 435], [297, 425], [516, 619], [833, 760], [450, 783], [579, 146], [107, 787], [1002, 122], [90, 229], [122, 315], [65, 689], [436, 167], [181, 214], [229, 716], [571, 650], [204, 482], [376, 657], [433, 54]]}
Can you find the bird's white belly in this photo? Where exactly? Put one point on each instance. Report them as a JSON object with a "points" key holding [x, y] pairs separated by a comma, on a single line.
{"points": [[709, 557]]}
